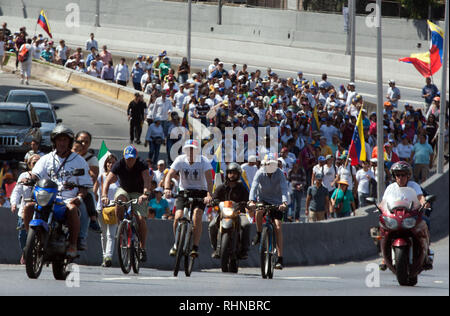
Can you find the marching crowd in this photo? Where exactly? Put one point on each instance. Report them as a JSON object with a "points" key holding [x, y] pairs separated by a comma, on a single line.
{"points": [[315, 123]]}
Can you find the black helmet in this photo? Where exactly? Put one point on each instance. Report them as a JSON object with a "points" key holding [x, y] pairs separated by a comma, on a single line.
{"points": [[62, 130], [234, 167], [401, 166]]}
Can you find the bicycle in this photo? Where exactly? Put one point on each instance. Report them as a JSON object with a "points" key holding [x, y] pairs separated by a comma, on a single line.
{"points": [[268, 248], [127, 239], [184, 237]]}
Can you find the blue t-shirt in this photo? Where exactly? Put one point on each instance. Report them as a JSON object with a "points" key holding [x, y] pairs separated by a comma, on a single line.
{"points": [[432, 90], [137, 74], [422, 153], [160, 208]]}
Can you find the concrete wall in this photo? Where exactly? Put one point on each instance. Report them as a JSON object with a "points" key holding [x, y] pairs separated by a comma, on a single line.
{"points": [[313, 42], [327, 242]]}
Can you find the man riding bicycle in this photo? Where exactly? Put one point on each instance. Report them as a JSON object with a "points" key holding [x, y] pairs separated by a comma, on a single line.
{"points": [[232, 190], [135, 183], [270, 187], [57, 166], [196, 179]]}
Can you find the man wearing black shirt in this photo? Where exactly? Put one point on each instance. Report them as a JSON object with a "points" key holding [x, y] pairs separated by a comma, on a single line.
{"points": [[232, 190], [136, 112], [135, 183]]}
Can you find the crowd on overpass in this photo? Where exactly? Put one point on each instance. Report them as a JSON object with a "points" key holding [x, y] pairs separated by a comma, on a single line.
{"points": [[315, 121]]}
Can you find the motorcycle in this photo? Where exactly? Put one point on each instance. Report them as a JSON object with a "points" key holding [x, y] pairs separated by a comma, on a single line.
{"points": [[403, 234], [229, 235], [48, 235]]}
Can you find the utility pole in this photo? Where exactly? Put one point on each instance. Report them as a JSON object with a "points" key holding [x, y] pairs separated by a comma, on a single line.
{"points": [[353, 39], [97, 13], [189, 16], [219, 12], [380, 131], [443, 108]]}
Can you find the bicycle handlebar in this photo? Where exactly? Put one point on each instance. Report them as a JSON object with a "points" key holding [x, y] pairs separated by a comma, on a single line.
{"points": [[121, 203]]}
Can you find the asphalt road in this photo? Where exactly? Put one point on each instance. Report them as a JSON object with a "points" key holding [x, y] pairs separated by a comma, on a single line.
{"points": [[333, 280]]}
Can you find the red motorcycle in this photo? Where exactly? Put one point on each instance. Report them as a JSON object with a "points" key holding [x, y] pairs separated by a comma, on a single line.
{"points": [[404, 236]]}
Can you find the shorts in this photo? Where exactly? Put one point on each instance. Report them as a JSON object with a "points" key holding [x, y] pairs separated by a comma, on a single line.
{"points": [[181, 202], [139, 209]]}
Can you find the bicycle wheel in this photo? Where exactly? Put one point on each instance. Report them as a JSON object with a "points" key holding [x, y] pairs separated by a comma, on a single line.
{"points": [[181, 232], [188, 259], [272, 254], [135, 254], [123, 246], [265, 261]]}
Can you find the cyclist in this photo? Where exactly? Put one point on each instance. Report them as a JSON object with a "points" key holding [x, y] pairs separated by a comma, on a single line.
{"points": [[232, 190], [57, 166], [135, 183], [196, 178], [402, 172], [270, 187]]}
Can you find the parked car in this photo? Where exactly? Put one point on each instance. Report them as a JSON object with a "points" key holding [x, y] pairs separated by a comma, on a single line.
{"points": [[19, 125], [44, 109]]}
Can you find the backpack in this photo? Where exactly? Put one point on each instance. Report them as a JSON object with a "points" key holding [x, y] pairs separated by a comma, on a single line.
{"points": [[24, 54]]}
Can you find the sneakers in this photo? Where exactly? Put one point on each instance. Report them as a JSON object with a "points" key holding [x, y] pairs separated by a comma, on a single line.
{"points": [[243, 255], [383, 266], [279, 264], [142, 256], [95, 227], [215, 254], [82, 244], [194, 253], [173, 251], [256, 239], [107, 262], [71, 252]]}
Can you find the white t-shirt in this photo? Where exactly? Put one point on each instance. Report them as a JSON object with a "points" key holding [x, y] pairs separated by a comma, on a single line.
{"points": [[328, 132], [192, 177], [62, 52], [411, 184], [111, 191], [363, 182], [345, 173], [48, 165]]}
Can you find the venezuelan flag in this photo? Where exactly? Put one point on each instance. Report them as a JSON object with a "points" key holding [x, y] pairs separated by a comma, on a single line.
{"points": [[436, 47], [315, 124], [421, 61], [215, 163], [357, 150], [43, 22], [244, 180]]}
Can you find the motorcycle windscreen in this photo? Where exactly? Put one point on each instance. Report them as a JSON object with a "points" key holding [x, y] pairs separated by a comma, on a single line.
{"points": [[400, 197]]}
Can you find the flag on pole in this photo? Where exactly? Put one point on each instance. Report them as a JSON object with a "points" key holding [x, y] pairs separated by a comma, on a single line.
{"points": [[102, 155], [422, 63], [436, 47], [43, 22], [1, 178], [244, 180], [357, 150], [215, 163]]}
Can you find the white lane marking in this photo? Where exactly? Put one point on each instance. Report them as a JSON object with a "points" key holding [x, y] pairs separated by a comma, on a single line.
{"points": [[309, 278], [116, 279], [140, 278]]}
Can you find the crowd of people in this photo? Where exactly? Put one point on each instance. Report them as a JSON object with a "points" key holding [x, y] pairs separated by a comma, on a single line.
{"points": [[315, 122]]}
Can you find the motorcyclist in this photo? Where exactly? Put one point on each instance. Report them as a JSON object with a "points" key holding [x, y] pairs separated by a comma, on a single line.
{"points": [[232, 190], [402, 172], [270, 186], [55, 166]]}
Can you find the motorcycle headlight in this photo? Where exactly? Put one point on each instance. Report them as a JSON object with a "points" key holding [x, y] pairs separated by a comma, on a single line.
{"points": [[43, 197], [227, 212], [390, 222], [409, 222]]}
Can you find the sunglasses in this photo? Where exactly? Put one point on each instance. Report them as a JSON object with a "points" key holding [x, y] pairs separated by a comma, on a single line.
{"points": [[401, 175]]}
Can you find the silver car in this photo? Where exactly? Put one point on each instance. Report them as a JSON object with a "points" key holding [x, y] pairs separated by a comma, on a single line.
{"points": [[44, 109]]}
